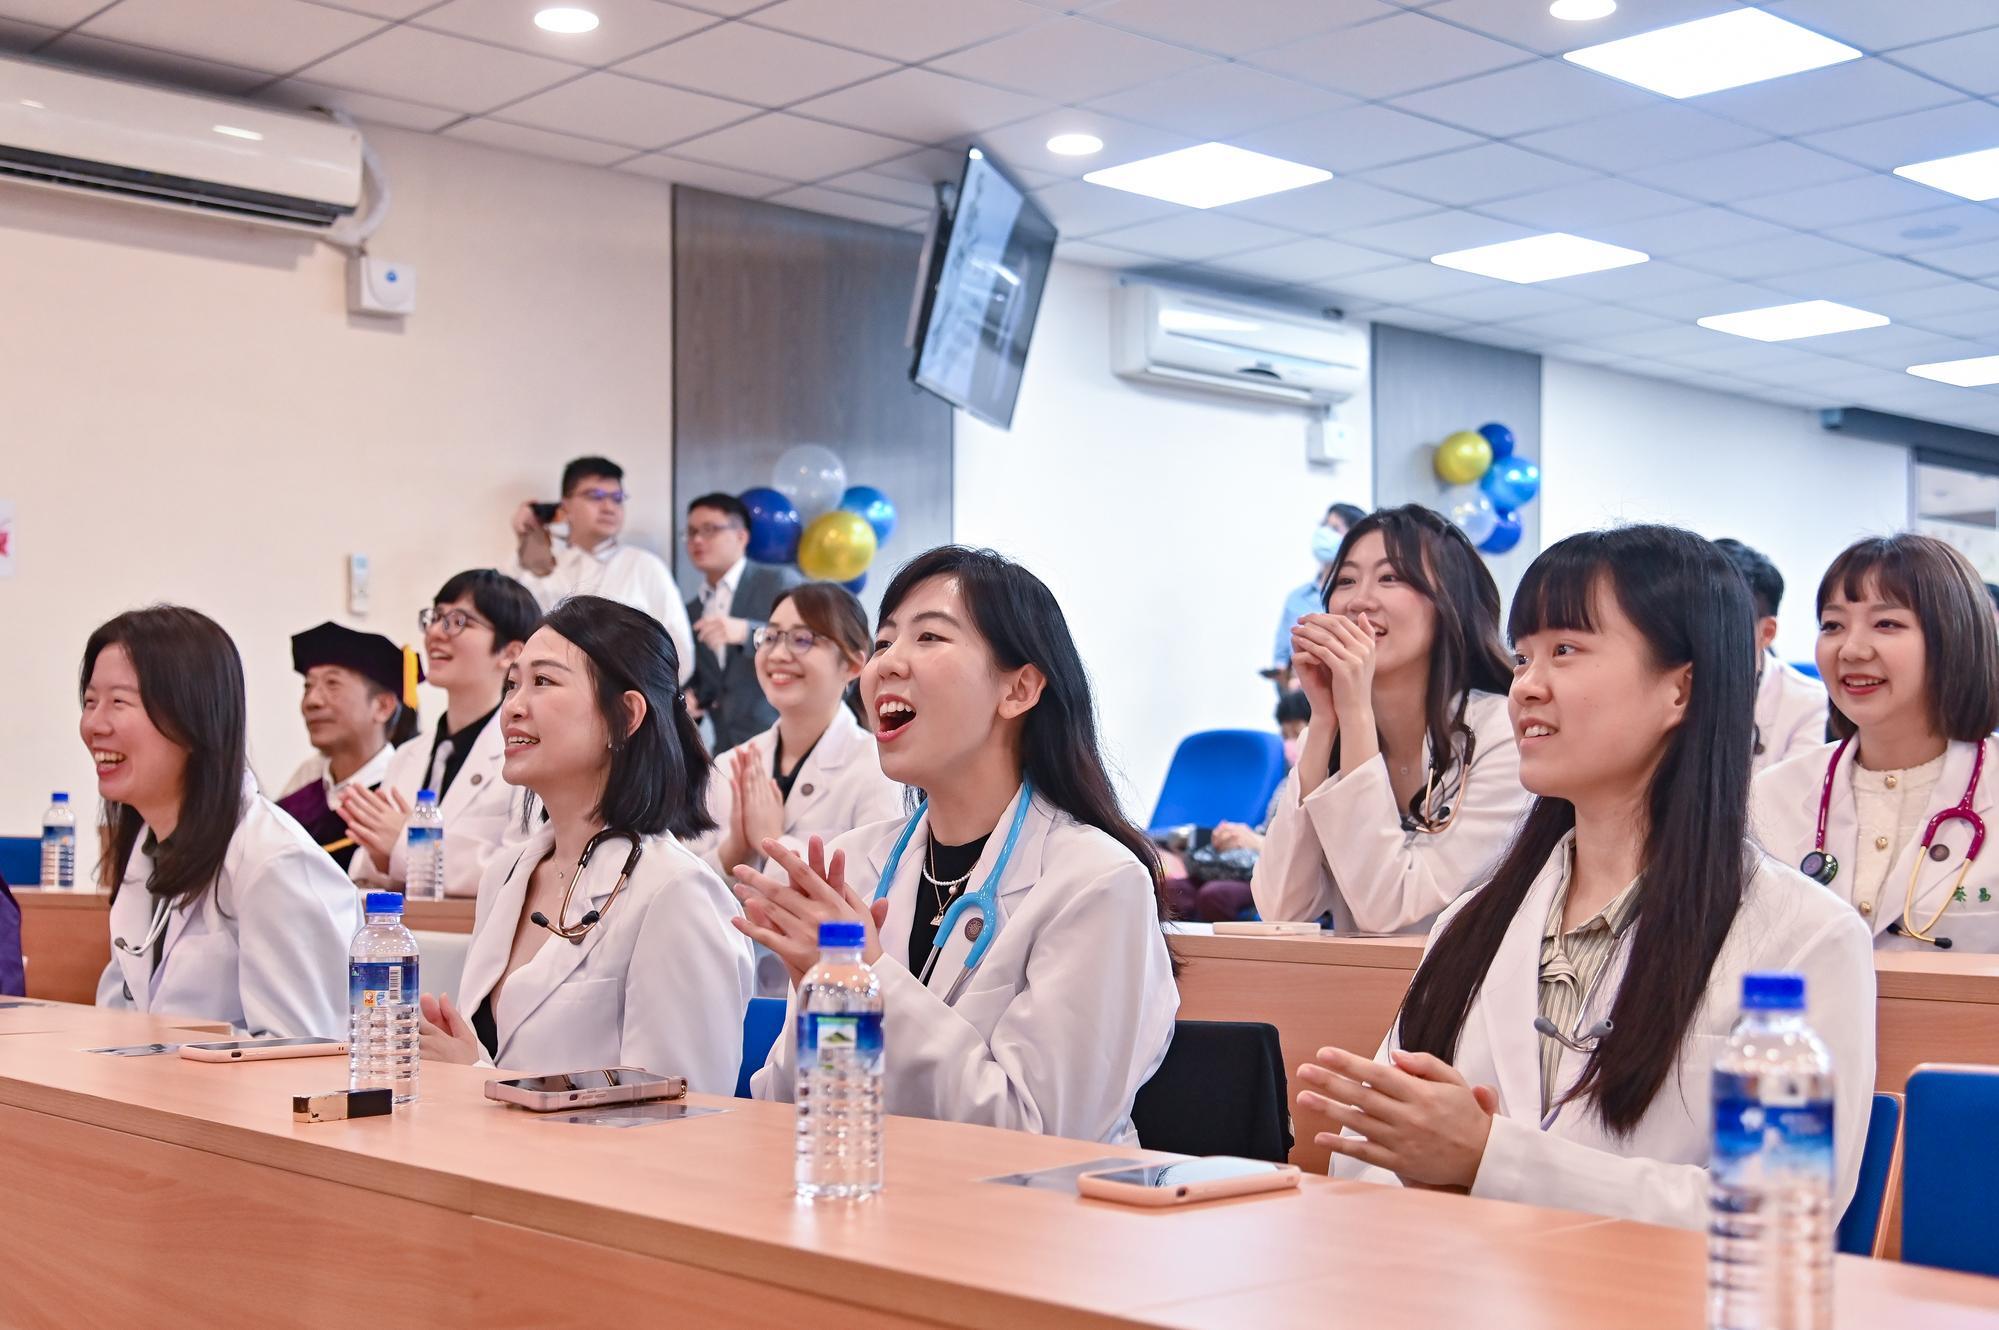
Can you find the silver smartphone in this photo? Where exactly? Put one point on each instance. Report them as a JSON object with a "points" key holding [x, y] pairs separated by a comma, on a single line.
{"points": [[260, 1050], [587, 1089]]}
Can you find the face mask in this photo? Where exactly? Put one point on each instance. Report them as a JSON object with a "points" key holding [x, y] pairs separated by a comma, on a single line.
{"points": [[1325, 543], [1291, 750]]}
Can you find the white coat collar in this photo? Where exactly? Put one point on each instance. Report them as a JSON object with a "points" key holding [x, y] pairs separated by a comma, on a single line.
{"points": [[132, 912], [843, 740]]}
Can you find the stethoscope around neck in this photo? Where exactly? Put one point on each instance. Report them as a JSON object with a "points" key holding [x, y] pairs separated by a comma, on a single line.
{"points": [[1580, 1040], [579, 930], [982, 905], [154, 931]]}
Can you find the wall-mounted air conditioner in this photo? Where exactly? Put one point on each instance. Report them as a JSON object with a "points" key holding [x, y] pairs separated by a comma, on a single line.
{"points": [[1192, 340]]}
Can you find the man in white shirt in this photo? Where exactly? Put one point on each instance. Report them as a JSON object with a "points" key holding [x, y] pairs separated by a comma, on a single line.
{"points": [[592, 561], [358, 704], [1790, 706]]}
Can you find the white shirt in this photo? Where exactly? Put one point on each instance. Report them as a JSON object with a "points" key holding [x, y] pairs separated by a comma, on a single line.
{"points": [[1790, 714], [718, 597], [620, 572], [316, 768]]}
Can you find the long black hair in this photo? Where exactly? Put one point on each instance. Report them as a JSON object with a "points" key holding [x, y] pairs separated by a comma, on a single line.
{"points": [[1433, 556], [191, 685], [1693, 609], [658, 778], [1017, 615]]}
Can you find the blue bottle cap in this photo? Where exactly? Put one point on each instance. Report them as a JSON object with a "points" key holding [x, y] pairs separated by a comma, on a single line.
{"points": [[384, 902], [60, 797], [1771, 991], [426, 796], [842, 933]]}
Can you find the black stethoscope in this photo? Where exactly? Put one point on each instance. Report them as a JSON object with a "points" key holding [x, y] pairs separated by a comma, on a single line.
{"points": [[579, 930]]}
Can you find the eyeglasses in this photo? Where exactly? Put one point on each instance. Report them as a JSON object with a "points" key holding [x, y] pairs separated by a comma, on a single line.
{"points": [[617, 496], [450, 622], [710, 530], [800, 640]]}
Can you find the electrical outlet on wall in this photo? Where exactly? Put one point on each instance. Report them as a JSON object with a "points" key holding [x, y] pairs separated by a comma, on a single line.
{"points": [[357, 584]]}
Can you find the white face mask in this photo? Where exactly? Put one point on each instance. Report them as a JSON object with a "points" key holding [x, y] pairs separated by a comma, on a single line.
{"points": [[1325, 543]]}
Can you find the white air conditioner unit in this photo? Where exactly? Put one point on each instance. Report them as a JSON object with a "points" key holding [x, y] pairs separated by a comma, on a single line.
{"points": [[71, 130], [1184, 338]]}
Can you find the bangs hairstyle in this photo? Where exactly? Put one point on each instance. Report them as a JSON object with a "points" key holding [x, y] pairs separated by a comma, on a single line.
{"points": [[191, 686], [1692, 609], [836, 614], [658, 776], [500, 600], [1432, 555], [1940, 587]]}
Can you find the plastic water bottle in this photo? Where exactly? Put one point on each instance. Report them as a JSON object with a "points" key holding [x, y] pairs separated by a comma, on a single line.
{"points": [[381, 1001], [59, 844], [426, 848], [1770, 1204], [839, 1089]]}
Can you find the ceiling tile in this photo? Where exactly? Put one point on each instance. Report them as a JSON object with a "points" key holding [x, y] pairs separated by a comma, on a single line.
{"points": [[1773, 257], [1024, 144], [1531, 25], [1389, 56], [1970, 62], [1661, 132], [142, 63], [1982, 324], [1427, 321], [1193, 236], [1877, 25], [1699, 302], [1220, 101], [1330, 206], [730, 8], [1688, 232], [1633, 282], [626, 27], [1861, 284], [785, 145], [1410, 284], [1590, 322], [1859, 199], [297, 94], [538, 142], [905, 30], [1917, 137], [1234, 30], [1976, 260], [21, 38], [1474, 175], [1079, 208], [1503, 303], [1525, 98], [1355, 139], [1309, 260], [1438, 233], [754, 64], [895, 189], [1686, 339], [1819, 99], [396, 9], [1070, 60], [1919, 232], [51, 13], [274, 35], [852, 206], [702, 175], [1097, 256], [624, 110], [1746, 172], [922, 106], [1583, 207], [1954, 297], [433, 68]]}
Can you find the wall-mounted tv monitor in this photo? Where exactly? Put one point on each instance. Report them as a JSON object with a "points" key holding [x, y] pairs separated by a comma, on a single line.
{"points": [[980, 290]]}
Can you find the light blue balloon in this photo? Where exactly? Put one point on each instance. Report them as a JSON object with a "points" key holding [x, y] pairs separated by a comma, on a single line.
{"points": [[1504, 536], [1512, 484], [872, 504], [1468, 506]]}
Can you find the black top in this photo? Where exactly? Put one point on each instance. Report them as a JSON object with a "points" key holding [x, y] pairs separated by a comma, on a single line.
{"points": [[950, 863], [461, 748], [484, 1027], [777, 772]]}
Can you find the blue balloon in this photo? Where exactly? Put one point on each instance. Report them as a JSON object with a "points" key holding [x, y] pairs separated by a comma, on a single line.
{"points": [[872, 504], [1504, 536], [1512, 484], [774, 525], [1501, 439], [858, 585]]}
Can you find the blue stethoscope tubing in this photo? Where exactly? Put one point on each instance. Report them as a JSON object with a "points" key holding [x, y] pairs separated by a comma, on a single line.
{"points": [[984, 901]]}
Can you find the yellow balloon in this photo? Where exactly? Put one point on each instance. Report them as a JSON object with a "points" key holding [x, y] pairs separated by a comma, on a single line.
{"points": [[837, 547], [1463, 457]]}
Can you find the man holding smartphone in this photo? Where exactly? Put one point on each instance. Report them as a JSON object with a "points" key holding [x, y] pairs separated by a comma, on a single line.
{"points": [[591, 560]]}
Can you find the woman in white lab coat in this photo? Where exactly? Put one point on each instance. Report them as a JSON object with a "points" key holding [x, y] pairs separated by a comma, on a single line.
{"points": [[603, 941], [1622, 918], [1407, 786], [475, 628], [1047, 1013], [225, 908], [1890, 816]]}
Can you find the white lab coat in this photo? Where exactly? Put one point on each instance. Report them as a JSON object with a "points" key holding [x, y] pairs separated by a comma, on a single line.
{"points": [[661, 982], [1068, 1015], [475, 808], [1784, 810], [265, 948], [840, 786], [1658, 1174], [1343, 848], [1790, 714]]}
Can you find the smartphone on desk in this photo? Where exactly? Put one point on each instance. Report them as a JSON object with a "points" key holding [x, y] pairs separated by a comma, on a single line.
{"points": [[587, 1089], [262, 1050], [1186, 1181]]}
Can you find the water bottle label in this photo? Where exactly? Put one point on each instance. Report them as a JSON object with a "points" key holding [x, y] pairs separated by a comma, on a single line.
{"points": [[372, 984], [1775, 1138], [823, 1037], [419, 835]]}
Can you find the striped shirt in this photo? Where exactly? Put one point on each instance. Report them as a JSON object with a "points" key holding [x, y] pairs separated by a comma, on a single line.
{"points": [[1570, 965]]}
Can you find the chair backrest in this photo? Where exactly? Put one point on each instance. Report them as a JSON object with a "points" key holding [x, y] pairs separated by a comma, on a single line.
{"points": [[762, 1020], [1861, 1232], [1220, 1091], [21, 860], [1220, 776], [1950, 1180]]}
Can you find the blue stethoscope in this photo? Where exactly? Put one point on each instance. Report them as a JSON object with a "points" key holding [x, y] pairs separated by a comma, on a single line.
{"points": [[983, 904]]}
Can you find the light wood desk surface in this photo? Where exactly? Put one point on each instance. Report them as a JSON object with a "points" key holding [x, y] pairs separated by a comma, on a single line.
{"points": [[198, 1191]]}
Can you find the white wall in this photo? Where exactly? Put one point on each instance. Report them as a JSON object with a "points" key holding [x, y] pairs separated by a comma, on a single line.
{"points": [[1169, 524], [1616, 447], [191, 415]]}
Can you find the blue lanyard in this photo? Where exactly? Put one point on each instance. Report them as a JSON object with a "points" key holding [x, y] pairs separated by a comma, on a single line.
{"points": [[985, 900]]}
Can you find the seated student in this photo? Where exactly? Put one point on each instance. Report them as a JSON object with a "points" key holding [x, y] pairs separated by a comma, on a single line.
{"points": [[1211, 884], [472, 632], [604, 941], [1408, 782], [359, 703], [591, 560], [225, 908], [1014, 919], [1889, 815], [1790, 707], [1624, 913]]}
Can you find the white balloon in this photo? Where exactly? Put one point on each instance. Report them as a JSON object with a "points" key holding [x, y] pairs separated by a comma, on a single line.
{"points": [[1468, 506], [813, 477]]}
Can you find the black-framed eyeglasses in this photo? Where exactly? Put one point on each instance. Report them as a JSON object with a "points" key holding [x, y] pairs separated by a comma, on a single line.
{"points": [[598, 495], [710, 530], [800, 640], [450, 622]]}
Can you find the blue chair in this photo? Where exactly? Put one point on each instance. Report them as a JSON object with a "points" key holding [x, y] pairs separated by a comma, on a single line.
{"points": [[1861, 1231], [1950, 1179], [21, 860], [762, 1022], [1220, 776]]}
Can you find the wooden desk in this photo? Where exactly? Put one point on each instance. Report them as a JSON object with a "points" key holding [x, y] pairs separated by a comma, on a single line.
{"points": [[200, 1191], [67, 941]]}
